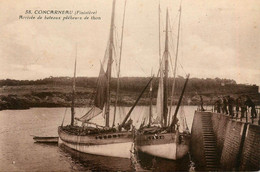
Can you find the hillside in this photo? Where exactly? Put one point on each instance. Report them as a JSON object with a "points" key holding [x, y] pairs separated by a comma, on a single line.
{"points": [[56, 91]]}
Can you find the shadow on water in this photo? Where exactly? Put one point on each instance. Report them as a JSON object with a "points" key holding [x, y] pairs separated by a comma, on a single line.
{"points": [[96, 162], [102, 163], [152, 163], [46, 144], [84, 162]]}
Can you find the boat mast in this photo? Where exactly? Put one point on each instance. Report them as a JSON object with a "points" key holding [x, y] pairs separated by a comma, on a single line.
{"points": [[151, 86], [109, 65], [118, 73], [175, 65], [165, 82], [132, 108], [159, 18], [151, 103], [179, 102], [73, 92]]}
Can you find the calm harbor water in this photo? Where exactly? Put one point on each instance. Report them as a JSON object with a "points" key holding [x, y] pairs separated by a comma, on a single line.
{"points": [[18, 152]]}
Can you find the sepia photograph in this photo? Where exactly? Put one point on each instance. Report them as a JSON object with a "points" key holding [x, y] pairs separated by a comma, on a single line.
{"points": [[129, 85]]}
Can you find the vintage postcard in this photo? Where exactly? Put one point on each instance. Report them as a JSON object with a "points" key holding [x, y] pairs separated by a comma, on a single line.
{"points": [[129, 85]]}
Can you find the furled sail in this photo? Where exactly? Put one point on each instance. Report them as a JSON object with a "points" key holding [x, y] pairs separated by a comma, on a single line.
{"points": [[100, 97], [94, 111]]}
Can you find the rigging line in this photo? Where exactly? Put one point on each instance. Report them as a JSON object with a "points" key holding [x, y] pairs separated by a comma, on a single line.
{"points": [[106, 51], [172, 47], [115, 46], [114, 53], [64, 116], [172, 66], [174, 21], [182, 56], [171, 37], [182, 68], [181, 42], [171, 26], [159, 17], [176, 58], [114, 67], [117, 41], [74, 88], [185, 121], [119, 63], [173, 34], [159, 25], [94, 91], [173, 85], [140, 67], [108, 70]]}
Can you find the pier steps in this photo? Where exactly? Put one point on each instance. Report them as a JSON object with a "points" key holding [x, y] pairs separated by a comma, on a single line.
{"points": [[209, 143], [220, 143]]}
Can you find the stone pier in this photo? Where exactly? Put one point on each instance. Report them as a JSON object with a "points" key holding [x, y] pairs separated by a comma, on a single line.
{"points": [[221, 143]]}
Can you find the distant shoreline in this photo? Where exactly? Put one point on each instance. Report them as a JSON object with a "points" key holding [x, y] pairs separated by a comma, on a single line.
{"points": [[55, 99], [20, 103], [56, 91]]}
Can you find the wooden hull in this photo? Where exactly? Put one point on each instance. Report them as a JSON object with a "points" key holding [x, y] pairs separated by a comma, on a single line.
{"points": [[116, 144], [45, 139], [171, 146]]}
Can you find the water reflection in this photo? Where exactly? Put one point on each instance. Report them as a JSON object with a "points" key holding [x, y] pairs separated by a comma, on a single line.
{"points": [[148, 162], [17, 144], [96, 162], [46, 144], [101, 163]]}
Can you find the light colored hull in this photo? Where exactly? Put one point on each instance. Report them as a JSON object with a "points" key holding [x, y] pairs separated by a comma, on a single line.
{"points": [[171, 146], [121, 150], [114, 144], [182, 149], [167, 151]]}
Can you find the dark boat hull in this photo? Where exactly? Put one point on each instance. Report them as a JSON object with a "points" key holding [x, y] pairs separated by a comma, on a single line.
{"points": [[116, 144]]}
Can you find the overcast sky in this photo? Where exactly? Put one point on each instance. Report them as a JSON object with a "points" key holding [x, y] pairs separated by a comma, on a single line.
{"points": [[218, 38]]}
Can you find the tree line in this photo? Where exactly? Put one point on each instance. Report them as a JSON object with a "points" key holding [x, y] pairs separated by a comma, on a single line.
{"points": [[134, 84]]}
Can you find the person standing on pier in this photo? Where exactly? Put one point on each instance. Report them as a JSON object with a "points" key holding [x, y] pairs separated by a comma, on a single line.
{"points": [[224, 108], [218, 104], [231, 103], [201, 104], [238, 105], [243, 107], [251, 105]]}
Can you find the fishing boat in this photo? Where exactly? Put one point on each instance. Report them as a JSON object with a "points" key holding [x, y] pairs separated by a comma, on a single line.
{"points": [[162, 137], [93, 138]]}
